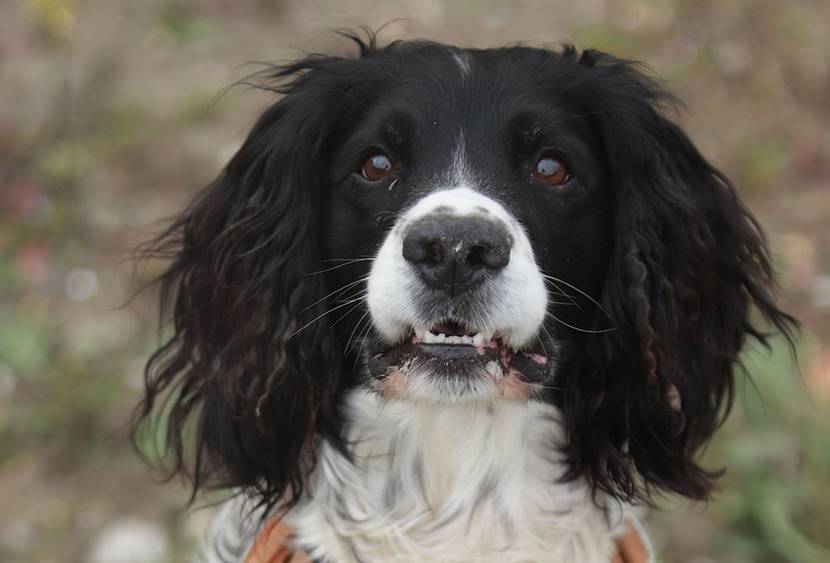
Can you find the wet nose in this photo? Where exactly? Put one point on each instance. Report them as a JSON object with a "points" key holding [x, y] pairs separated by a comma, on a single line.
{"points": [[455, 254]]}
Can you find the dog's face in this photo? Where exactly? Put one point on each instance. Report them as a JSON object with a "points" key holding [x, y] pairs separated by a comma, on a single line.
{"points": [[486, 210], [448, 225]]}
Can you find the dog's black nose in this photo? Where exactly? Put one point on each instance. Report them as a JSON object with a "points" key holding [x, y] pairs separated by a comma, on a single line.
{"points": [[454, 254]]}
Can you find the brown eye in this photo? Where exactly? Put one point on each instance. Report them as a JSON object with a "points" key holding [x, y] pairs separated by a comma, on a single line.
{"points": [[376, 167], [551, 170]]}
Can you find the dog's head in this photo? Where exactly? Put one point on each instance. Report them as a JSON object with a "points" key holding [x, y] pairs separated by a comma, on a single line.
{"points": [[449, 225]]}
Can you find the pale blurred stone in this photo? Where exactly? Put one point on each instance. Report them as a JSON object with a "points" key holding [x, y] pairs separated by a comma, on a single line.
{"points": [[81, 284], [18, 535], [733, 57], [498, 15], [7, 381], [427, 12], [820, 291], [134, 374], [198, 522], [131, 540]]}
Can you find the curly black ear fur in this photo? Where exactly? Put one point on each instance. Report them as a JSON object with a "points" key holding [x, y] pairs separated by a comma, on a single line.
{"points": [[246, 370], [688, 264]]}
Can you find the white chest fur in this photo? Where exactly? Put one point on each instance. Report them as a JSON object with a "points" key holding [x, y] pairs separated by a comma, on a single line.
{"points": [[449, 483]]}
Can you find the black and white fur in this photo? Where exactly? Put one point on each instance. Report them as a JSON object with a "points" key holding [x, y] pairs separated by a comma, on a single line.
{"points": [[592, 324]]}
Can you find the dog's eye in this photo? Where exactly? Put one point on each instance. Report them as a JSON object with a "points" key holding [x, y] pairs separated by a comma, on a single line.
{"points": [[551, 170], [376, 167]]}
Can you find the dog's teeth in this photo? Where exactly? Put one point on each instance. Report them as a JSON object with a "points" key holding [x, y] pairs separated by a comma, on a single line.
{"points": [[427, 337]]}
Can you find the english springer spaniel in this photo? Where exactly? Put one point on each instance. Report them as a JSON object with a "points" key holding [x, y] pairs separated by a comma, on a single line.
{"points": [[453, 304]]}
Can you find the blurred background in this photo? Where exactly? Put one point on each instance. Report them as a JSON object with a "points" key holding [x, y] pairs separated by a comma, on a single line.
{"points": [[110, 121]]}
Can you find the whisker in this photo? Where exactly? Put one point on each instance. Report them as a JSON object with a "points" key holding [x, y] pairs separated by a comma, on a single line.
{"points": [[591, 299], [362, 293], [318, 317], [335, 292], [558, 291], [354, 330], [576, 328], [350, 311], [382, 214], [361, 338], [542, 344], [550, 336], [346, 259], [347, 262], [561, 292], [541, 386]]}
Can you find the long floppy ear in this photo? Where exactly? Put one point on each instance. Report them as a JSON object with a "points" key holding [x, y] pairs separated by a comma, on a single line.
{"points": [[689, 263], [250, 372]]}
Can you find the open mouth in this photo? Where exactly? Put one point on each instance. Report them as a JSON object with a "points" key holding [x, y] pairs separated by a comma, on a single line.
{"points": [[453, 350], [449, 334]]}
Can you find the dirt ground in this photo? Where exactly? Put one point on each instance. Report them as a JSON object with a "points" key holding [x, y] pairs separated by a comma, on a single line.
{"points": [[110, 121]]}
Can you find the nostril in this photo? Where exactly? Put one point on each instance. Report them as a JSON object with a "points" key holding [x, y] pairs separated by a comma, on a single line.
{"points": [[476, 256], [494, 257], [423, 250]]}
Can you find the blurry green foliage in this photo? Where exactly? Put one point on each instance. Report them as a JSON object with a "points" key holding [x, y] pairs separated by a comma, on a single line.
{"points": [[55, 17], [777, 455], [63, 163], [76, 404], [605, 39], [763, 160], [25, 343], [123, 127], [6, 274], [199, 107], [180, 24]]}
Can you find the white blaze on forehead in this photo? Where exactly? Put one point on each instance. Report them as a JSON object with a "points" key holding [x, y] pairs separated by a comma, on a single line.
{"points": [[459, 173], [462, 59]]}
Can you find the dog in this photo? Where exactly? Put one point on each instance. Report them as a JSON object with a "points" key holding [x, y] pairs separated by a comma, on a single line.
{"points": [[452, 304]]}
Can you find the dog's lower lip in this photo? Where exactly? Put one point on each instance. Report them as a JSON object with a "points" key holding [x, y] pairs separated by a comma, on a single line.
{"points": [[454, 358], [451, 351]]}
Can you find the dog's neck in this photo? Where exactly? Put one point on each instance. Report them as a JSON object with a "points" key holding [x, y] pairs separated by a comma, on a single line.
{"points": [[453, 482]]}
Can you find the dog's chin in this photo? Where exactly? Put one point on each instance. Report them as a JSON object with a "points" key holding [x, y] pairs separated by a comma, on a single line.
{"points": [[448, 363]]}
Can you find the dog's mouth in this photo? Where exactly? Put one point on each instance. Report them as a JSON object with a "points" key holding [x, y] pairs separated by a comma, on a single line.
{"points": [[453, 352]]}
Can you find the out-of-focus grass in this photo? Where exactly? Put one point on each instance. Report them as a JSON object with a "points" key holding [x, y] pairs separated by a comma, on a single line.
{"points": [[776, 450], [776, 453]]}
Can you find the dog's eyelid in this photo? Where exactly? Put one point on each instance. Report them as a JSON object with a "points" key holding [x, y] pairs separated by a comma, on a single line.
{"points": [[551, 168], [377, 166]]}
